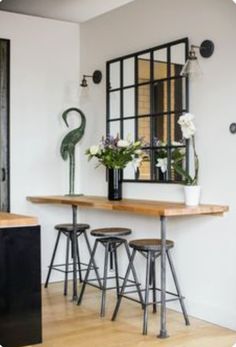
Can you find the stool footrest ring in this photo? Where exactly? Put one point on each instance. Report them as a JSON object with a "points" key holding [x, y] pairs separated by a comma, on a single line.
{"points": [[133, 283], [57, 267]]}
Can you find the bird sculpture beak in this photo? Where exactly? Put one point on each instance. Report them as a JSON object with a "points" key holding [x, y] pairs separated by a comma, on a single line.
{"points": [[64, 116]]}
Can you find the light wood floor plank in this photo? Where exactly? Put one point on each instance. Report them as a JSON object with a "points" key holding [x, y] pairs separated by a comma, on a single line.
{"points": [[68, 325]]}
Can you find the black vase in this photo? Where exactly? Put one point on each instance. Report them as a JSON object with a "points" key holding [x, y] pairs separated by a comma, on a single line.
{"points": [[114, 184]]}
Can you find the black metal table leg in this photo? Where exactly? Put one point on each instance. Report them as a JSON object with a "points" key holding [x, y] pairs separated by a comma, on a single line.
{"points": [[74, 247], [163, 331]]}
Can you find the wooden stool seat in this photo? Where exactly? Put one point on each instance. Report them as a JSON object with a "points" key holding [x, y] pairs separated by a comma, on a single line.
{"points": [[68, 227], [111, 232], [149, 244]]}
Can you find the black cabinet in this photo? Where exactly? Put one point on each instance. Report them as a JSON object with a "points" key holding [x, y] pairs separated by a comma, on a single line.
{"points": [[20, 286]]}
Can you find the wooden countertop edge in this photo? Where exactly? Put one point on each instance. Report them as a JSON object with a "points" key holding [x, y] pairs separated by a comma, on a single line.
{"points": [[15, 220], [133, 206]]}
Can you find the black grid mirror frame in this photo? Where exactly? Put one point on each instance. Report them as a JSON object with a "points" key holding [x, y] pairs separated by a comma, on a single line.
{"points": [[159, 112]]}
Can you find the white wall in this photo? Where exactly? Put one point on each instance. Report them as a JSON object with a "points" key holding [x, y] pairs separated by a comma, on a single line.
{"points": [[45, 65], [44, 71], [205, 252]]}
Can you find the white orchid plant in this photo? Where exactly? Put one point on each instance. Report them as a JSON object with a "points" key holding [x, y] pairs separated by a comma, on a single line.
{"points": [[188, 131], [162, 160], [116, 153]]}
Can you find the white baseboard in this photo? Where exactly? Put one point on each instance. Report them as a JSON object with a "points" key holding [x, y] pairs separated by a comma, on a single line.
{"points": [[213, 314]]}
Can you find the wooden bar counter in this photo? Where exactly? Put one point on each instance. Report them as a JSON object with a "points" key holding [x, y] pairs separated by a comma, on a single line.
{"points": [[160, 209], [144, 207], [20, 281]]}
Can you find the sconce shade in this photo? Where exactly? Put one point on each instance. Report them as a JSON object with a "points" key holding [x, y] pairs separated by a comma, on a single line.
{"points": [[192, 68], [84, 82], [96, 77]]}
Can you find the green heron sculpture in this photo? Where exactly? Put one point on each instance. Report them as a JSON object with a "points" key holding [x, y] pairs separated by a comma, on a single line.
{"points": [[69, 142]]}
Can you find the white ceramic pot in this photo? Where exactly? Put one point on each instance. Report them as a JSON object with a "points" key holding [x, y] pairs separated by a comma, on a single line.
{"points": [[192, 195]]}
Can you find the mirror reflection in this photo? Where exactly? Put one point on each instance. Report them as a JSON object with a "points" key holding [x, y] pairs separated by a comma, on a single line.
{"points": [[114, 71], [129, 72], [114, 128], [177, 59], [144, 68], [129, 102], [115, 105], [129, 129], [160, 64]]}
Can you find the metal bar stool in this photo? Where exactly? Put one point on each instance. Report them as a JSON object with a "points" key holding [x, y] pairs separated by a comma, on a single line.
{"points": [[67, 230], [151, 250], [111, 240]]}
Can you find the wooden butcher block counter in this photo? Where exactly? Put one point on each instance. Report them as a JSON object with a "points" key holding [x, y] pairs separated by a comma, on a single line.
{"points": [[14, 220]]}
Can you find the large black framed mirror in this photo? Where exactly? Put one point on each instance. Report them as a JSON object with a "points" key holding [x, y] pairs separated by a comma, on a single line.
{"points": [[146, 94]]}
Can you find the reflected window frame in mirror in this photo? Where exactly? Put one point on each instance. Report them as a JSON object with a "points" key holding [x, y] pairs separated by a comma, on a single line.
{"points": [[145, 95]]}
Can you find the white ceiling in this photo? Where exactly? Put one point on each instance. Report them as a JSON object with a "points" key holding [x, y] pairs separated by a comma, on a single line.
{"points": [[68, 10]]}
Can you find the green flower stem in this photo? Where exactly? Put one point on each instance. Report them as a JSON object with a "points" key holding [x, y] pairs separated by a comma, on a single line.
{"points": [[196, 162], [178, 167]]}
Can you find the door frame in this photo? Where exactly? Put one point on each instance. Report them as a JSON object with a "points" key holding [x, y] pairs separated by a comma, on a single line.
{"points": [[5, 133]]}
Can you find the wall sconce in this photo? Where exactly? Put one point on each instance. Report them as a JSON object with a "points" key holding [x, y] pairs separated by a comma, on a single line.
{"points": [[96, 77], [192, 67]]}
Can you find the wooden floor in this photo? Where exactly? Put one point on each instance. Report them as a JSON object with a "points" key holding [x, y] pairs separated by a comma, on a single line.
{"points": [[68, 325]]}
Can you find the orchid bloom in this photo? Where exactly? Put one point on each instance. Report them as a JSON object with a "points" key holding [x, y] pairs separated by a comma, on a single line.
{"points": [[162, 164], [187, 126], [136, 163]]}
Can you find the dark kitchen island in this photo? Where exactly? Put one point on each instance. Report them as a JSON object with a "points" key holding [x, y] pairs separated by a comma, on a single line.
{"points": [[20, 281]]}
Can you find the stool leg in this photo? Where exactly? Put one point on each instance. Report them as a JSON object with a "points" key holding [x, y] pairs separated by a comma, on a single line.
{"points": [[111, 257], [78, 259], [154, 284], [145, 313], [104, 286], [67, 263], [52, 259], [151, 273], [134, 273], [116, 272], [178, 288], [91, 261], [72, 248], [123, 286]]}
